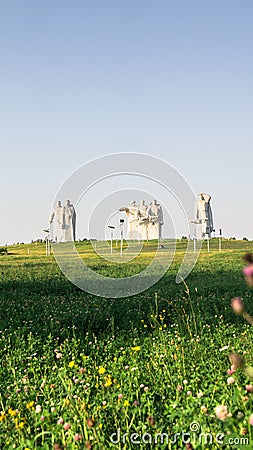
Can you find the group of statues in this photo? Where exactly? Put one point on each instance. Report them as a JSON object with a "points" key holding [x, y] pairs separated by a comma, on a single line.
{"points": [[63, 222], [144, 221]]}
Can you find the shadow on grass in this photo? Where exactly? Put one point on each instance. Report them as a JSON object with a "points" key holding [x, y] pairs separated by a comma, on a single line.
{"points": [[55, 306]]}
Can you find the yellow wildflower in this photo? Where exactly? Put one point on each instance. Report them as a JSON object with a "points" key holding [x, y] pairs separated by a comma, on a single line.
{"points": [[136, 349], [108, 381], [101, 370], [126, 403], [29, 405], [2, 416], [72, 363], [66, 402], [11, 412]]}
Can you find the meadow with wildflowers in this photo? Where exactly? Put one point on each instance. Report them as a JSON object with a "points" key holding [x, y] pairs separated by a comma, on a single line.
{"points": [[83, 372]]}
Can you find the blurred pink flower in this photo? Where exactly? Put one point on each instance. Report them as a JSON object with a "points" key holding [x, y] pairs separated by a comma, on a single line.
{"points": [[230, 380], [231, 370], [237, 305], [248, 270], [78, 437], [66, 426], [249, 388], [221, 412]]}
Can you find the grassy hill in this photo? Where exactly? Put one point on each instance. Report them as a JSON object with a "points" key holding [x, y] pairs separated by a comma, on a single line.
{"points": [[151, 363]]}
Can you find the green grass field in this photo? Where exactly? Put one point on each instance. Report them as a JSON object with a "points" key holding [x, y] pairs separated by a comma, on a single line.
{"points": [[79, 371]]}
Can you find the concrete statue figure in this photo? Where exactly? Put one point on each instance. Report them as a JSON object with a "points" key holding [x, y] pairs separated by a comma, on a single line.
{"points": [[155, 215], [56, 220], [132, 213], [63, 221], [144, 222], [203, 217], [69, 222]]}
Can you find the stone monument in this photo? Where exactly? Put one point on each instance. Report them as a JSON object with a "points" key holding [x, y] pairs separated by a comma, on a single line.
{"points": [[144, 222], [155, 215], [63, 220], [56, 219], [132, 213], [203, 217], [69, 222]]}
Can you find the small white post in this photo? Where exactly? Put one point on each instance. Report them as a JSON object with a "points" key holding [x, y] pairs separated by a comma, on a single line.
{"points": [[121, 242], [111, 240], [47, 247], [121, 223], [47, 242], [194, 242], [111, 234], [220, 240], [208, 245]]}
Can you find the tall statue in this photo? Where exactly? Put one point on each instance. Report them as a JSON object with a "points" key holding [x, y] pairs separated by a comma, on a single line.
{"points": [[69, 222], [155, 215], [203, 217], [132, 213], [143, 221], [56, 219]]}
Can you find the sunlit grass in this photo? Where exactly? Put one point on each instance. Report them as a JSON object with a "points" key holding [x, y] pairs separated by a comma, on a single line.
{"points": [[75, 368]]}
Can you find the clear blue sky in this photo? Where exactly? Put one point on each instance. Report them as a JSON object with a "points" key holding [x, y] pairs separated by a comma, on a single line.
{"points": [[82, 79]]}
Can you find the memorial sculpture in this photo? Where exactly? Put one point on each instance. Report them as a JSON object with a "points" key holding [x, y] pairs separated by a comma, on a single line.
{"points": [[155, 215], [63, 221], [56, 219], [69, 222], [132, 213], [144, 222], [203, 217]]}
